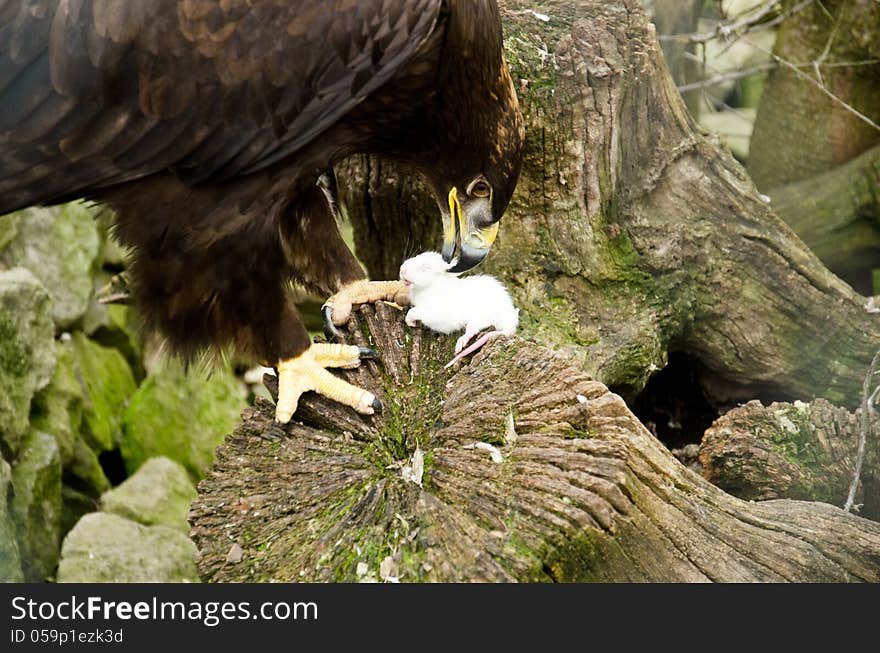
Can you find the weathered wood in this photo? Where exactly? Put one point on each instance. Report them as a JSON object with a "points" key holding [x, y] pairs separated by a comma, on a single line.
{"points": [[581, 490], [837, 214], [792, 451], [632, 234]]}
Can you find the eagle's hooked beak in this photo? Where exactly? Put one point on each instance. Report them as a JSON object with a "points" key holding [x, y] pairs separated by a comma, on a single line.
{"points": [[462, 237]]}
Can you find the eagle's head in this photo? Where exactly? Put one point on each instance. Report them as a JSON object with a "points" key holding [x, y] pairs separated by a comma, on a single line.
{"points": [[477, 154], [474, 179]]}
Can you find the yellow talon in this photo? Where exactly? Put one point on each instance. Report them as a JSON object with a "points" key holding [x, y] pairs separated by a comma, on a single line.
{"points": [[306, 373], [333, 355]]}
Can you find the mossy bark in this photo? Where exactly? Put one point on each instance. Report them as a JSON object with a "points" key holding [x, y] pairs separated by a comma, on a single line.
{"points": [[837, 214], [575, 490], [632, 234], [792, 451]]}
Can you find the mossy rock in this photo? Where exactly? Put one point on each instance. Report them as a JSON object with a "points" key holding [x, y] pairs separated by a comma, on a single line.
{"points": [[121, 331], [105, 548], [160, 492], [107, 383], [58, 410], [27, 351], [60, 246], [10, 560], [36, 504], [181, 416], [74, 505]]}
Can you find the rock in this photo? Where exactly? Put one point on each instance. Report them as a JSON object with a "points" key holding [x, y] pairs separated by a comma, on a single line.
{"points": [[75, 504], [120, 331], [60, 246], [27, 350], [58, 408], [36, 504], [159, 493], [97, 314], [10, 560], [8, 229], [183, 417], [107, 385], [85, 471], [108, 548]]}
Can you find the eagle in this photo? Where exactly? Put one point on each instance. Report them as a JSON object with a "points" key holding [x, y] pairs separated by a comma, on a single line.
{"points": [[211, 127]]}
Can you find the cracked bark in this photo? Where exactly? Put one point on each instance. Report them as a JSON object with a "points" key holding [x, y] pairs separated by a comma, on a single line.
{"points": [[794, 451], [632, 234], [583, 492]]}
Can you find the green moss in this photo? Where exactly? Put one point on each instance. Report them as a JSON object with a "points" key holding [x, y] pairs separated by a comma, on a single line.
{"points": [[411, 414], [58, 408], [576, 560], [107, 383], [14, 355], [181, 416]]}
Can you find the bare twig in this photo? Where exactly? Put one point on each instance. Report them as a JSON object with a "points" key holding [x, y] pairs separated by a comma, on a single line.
{"points": [[727, 76], [731, 75], [739, 28], [868, 399], [804, 76]]}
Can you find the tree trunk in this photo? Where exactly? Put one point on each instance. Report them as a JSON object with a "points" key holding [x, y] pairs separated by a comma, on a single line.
{"points": [[631, 235], [837, 213], [799, 130], [809, 152], [532, 472]]}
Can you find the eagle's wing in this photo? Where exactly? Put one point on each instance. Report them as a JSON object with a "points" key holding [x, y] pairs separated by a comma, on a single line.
{"points": [[98, 92]]}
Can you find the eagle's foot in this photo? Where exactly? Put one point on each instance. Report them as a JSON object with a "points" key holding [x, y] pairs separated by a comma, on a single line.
{"points": [[337, 309], [306, 373]]}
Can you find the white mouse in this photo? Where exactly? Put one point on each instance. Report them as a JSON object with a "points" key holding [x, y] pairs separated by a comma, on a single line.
{"points": [[443, 302]]}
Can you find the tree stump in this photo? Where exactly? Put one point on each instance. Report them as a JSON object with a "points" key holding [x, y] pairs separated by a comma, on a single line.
{"points": [[632, 234], [532, 472], [794, 451]]}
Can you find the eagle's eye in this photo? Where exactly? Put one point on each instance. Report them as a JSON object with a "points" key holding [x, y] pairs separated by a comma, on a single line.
{"points": [[480, 188]]}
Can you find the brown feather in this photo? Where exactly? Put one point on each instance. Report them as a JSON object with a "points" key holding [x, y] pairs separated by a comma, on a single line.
{"points": [[205, 124]]}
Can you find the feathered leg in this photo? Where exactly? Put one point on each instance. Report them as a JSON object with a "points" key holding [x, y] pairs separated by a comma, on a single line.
{"points": [[210, 273], [322, 262], [336, 311]]}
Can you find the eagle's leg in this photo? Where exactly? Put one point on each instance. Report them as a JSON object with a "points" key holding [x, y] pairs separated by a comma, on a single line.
{"points": [[322, 262], [337, 309], [307, 372]]}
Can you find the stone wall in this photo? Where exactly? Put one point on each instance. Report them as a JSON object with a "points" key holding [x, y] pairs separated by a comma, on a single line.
{"points": [[80, 411]]}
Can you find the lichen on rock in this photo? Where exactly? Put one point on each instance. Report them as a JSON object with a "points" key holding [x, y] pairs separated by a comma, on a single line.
{"points": [[27, 351], [103, 547], [36, 504], [60, 246]]}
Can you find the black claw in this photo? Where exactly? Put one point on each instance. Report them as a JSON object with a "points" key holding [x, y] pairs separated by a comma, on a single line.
{"points": [[377, 405], [330, 329], [367, 353]]}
